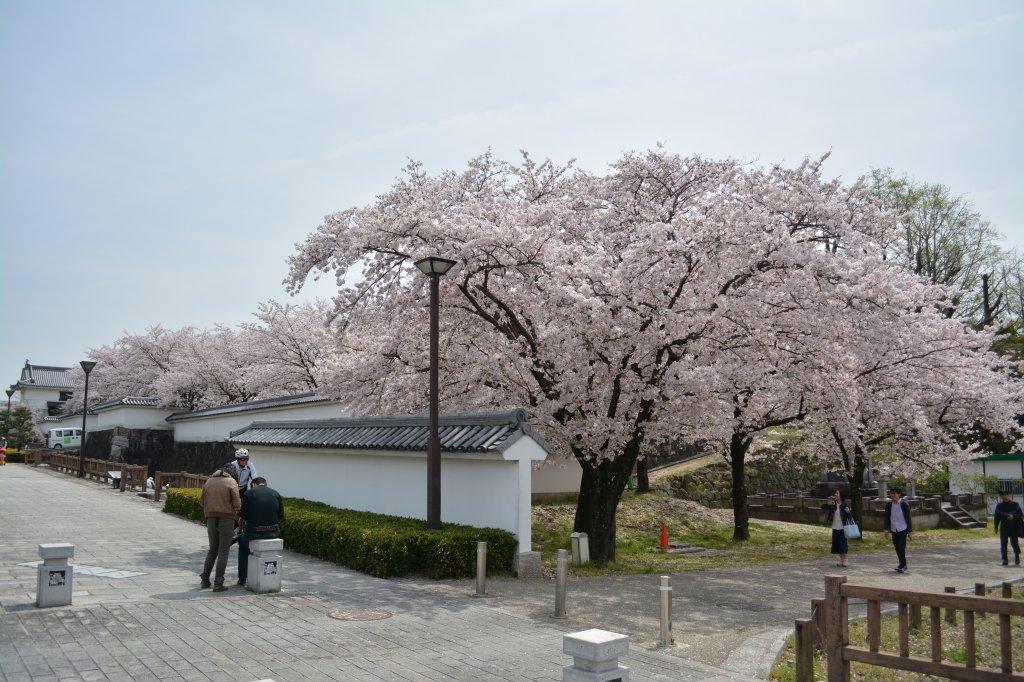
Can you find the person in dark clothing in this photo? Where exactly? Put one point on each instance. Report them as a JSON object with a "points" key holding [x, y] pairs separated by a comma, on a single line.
{"points": [[898, 525], [262, 512], [839, 515], [1009, 522]]}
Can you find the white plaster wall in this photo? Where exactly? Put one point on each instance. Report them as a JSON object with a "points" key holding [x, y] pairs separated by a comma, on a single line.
{"points": [[205, 429], [70, 423], [556, 475], [1010, 470], [35, 398], [477, 492], [131, 417]]}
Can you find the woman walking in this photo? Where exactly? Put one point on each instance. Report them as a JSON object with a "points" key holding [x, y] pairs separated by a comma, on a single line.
{"points": [[839, 515]]}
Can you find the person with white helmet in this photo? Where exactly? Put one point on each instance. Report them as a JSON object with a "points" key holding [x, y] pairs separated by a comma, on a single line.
{"points": [[244, 470]]}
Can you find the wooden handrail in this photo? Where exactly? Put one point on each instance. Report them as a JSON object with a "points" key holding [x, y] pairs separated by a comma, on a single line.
{"points": [[840, 653], [176, 479], [960, 602]]}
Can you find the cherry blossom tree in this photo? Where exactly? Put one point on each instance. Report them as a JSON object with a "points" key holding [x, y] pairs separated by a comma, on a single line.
{"points": [[281, 352], [601, 303], [912, 384], [291, 343], [133, 365]]}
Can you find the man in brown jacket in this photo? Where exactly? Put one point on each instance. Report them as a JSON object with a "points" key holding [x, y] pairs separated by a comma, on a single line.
{"points": [[220, 508]]}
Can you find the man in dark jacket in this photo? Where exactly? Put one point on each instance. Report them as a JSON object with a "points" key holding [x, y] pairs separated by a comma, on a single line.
{"points": [[1008, 519], [262, 512], [898, 525]]}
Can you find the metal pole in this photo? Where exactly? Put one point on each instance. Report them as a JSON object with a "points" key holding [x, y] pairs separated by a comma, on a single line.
{"points": [[81, 445], [434, 446], [666, 611], [561, 578], [481, 568]]}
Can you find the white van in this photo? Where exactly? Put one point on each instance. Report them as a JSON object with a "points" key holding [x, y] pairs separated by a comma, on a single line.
{"points": [[64, 438]]}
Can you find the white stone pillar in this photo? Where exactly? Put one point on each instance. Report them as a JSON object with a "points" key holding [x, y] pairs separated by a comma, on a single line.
{"points": [[55, 579], [580, 549], [595, 656], [883, 489], [911, 493], [265, 565]]}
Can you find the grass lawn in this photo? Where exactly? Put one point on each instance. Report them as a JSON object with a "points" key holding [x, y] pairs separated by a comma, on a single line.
{"points": [[986, 637], [639, 525]]}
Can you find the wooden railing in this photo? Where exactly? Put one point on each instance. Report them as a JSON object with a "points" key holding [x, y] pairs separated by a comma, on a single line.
{"points": [[829, 626], [176, 479], [131, 475]]}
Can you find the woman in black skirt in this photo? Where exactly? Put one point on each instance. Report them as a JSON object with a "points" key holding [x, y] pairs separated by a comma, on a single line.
{"points": [[840, 545]]}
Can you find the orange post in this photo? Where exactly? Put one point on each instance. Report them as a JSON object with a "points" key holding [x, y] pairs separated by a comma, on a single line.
{"points": [[664, 537]]}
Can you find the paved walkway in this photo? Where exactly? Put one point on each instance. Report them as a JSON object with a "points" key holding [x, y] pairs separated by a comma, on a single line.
{"points": [[739, 618], [160, 625]]}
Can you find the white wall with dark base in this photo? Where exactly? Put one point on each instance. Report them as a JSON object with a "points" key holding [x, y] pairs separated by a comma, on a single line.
{"points": [[486, 490]]}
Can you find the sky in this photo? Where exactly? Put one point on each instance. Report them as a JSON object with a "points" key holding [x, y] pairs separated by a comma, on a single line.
{"points": [[159, 160]]}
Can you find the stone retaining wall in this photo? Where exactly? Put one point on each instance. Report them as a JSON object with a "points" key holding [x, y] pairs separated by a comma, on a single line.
{"points": [[157, 449], [798, 508]]}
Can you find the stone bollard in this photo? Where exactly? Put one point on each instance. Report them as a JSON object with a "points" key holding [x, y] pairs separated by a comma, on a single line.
{"points": [[481, 569], [580, 549], [665, 588], [561, 582], [595, 656], [265, 565], [55, 579]]}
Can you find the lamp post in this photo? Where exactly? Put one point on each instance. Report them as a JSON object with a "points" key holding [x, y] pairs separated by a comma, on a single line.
{"points": [[86, 367], [9, 392], [434, 267]]}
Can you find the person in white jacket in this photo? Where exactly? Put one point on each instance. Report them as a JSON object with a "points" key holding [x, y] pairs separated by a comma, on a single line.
{"points": [[244, 469]]}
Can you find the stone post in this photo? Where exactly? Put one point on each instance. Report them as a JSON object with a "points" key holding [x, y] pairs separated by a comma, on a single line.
{"points": [[595, 656], [580, 549], [55, 578], [883, 488], [265, 565], [911, 492], [869, 473]]}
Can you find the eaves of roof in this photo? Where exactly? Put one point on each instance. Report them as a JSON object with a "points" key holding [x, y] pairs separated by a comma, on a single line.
{"points": [[251, 406], [469, 432]]}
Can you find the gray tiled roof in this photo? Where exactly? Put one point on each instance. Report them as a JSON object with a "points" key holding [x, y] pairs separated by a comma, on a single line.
{"points": [[45, 376], [283, 401], [67, 415], [473, 432], [131, 400]]}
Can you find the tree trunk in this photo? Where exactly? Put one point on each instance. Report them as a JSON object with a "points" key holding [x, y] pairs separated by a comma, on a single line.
{"points": [[738, 446], [600, 491], [643, 480], [856, 481]]}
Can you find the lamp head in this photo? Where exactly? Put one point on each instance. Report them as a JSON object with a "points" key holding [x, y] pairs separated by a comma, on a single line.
{"points": [[9, 392], [87, 365], [434, 265]]}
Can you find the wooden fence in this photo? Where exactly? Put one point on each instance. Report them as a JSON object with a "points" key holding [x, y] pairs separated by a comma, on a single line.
{"points": [[829, 627], [176, 479], [131, 475]]}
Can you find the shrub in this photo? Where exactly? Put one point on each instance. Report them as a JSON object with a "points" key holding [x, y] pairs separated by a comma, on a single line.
{"points": [[15, 457], [381, 545]]}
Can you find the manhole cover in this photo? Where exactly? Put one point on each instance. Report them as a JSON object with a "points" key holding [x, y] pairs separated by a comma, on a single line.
{"points": [[359, 614]]}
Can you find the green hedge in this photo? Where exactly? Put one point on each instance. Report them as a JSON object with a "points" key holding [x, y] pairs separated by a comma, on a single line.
{"points": [[384, 546], [15, 457]]}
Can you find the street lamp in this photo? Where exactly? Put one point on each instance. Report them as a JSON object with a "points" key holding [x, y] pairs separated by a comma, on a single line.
{"points": [[434, 267], [86, 367], [9, 392]]}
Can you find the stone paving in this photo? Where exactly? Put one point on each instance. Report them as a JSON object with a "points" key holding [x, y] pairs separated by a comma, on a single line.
{"points": [[738, 618], [147, 619]]}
